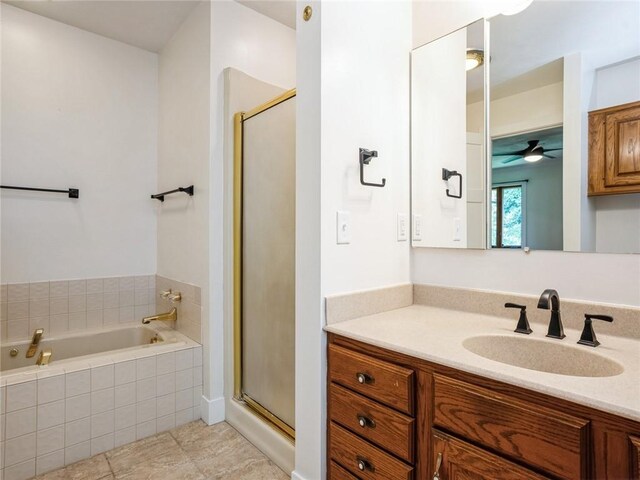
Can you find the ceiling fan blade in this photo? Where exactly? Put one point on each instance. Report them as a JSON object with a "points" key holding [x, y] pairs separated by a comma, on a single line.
{"points": [[508, 154], [552, 149], [512, 159], [547, 156]]}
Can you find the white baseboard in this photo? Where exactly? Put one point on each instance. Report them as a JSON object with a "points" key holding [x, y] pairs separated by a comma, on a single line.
{"points": [[295, 476], [212, 411], [273, 444]]}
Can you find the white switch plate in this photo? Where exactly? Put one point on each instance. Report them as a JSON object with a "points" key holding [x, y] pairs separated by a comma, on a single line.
{"points": [[417, 227], [456, 229], [403, 227], [343, 226]]}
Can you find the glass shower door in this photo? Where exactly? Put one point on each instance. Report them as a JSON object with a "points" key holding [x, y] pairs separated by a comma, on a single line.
{"points": [[265, 260]]}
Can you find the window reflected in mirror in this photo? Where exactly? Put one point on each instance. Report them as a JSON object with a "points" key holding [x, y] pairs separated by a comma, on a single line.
{"points": [[526, 181]]}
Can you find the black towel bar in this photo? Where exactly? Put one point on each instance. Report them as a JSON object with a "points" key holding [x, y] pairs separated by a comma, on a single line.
{"points": [[188, 190], [72, 192]]}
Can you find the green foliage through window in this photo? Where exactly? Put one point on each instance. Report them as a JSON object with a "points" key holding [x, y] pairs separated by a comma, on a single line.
{"points": [[506, 216]]}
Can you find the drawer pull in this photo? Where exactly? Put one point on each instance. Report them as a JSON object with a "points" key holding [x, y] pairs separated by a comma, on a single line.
{"points": [[364, 378], [365, 422], [436, 474], [364, 465]]}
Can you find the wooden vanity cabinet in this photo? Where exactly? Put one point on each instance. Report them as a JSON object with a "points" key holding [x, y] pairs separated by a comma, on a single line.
{"points": [[614, 150], [415, 411]]}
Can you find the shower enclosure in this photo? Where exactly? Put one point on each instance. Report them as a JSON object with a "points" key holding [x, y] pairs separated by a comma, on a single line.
{"points": [[264, 260]]}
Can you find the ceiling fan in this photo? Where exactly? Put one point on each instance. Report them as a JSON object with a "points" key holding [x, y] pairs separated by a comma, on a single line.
{"points": [[532, 153]]}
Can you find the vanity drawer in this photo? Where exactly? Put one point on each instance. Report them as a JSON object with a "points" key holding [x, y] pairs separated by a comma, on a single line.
{"points": [[336, 472], [381, 425], [541, 437], [382, 381], [363, 459]]}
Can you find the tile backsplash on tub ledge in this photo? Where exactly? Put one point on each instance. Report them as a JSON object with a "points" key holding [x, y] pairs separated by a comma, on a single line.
{"points": [[189, 308], [61, 306]]}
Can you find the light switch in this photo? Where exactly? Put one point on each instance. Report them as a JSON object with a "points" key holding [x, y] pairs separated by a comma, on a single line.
{"points": [[402, 227], [344, 228], [417, 227], [456, 229]]}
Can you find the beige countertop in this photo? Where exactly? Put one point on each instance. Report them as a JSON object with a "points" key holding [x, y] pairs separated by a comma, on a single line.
{"points": [[437, 334]]}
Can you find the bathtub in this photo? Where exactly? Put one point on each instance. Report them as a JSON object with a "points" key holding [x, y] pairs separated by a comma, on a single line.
{"points": [[102, 389], [81, 345]]}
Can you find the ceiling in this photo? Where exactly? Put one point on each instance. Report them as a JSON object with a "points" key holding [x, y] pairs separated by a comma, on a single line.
{"points": [[283, 11], [146, 24], [547, 31], [549, 138]]}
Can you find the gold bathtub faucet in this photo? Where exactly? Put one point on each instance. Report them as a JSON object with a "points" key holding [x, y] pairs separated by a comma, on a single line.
{"points": [[45, 357], [170, 315], [37, 335]]}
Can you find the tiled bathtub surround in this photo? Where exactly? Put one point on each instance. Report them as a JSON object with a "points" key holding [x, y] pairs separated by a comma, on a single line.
{"points": [[65, 414], [189, 309], [72, 305]]}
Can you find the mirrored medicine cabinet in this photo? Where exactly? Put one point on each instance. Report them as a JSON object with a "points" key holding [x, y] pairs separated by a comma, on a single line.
{"points": [[499, 130]]}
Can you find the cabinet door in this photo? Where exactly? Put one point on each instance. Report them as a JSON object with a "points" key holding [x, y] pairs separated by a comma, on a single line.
{"points": [[622, 161], [453, 459], [635, 457]]}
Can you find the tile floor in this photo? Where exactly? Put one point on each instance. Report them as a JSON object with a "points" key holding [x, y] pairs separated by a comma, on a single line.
{"points": [[193, 451]]}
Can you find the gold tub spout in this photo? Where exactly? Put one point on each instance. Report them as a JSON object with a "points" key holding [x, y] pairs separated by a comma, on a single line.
{"points": [[37, 335], [170, 315], [45, 357]]}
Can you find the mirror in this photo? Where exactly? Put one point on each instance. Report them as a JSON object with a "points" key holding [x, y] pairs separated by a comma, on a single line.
{"points": [[551, 65], [448, 169]]}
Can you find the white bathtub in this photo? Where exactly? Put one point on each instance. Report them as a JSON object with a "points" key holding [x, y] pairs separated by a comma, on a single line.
{"points": [[65, 347], [101, 389]]}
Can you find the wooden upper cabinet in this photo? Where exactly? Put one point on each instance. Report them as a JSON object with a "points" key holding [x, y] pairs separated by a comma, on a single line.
{"points": [[614, 150]]}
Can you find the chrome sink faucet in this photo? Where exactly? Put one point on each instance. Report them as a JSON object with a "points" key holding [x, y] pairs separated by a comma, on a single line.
{"points": [[551, 300]]}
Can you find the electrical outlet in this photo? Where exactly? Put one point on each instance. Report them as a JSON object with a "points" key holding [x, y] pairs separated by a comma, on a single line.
{"points": [[343, 226], [402, 227], [417, 227]]}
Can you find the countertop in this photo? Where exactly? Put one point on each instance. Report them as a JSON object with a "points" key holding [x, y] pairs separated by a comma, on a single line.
{"points": [[436, 335]]}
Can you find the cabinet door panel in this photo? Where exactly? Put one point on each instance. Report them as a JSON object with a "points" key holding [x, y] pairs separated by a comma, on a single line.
{"points": [[463, 461], [622, 161], [541, 437], [635, 457]]}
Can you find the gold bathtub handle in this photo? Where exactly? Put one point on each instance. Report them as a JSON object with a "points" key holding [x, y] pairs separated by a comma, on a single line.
{"points": [[45, 357], [37, 335]]}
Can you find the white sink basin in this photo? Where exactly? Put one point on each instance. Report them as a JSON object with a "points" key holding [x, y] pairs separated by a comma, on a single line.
{"points": [[543, 356]]}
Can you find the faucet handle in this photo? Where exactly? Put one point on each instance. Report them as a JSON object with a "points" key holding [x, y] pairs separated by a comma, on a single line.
{"points": [[588, 336], [523, 322]]}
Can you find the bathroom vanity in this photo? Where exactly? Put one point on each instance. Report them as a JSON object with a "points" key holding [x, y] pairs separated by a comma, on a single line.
{"points": [[396, 415]]}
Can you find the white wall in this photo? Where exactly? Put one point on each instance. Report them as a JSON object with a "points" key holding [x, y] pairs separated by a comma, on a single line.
{"points": [[353, 69], [183, 157], [258, 46], [78, 110], [617, 220], [438, 141], [595, 277]]}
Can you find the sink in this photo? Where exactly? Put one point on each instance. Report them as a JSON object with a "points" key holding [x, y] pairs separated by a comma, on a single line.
{"points": [[543, 356]]}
